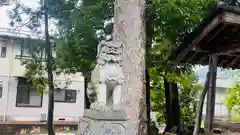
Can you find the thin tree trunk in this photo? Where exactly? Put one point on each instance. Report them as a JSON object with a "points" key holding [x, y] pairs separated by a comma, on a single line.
{"points": [[86, 80], [200, 106], [148, 101], [149, 38], [50, 75]]}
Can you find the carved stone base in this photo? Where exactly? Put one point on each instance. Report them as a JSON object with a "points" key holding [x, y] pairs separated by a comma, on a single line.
{"points": [[106, 123]]}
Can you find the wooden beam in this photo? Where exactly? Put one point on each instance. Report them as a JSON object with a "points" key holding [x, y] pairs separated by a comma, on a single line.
{"points": [[192, 57], [233, 48], [212, 53], [211, 96], [198, 49], [233, 62], [206, 30], [231, 18], [216, 33], [202, 59], [222, 63]]}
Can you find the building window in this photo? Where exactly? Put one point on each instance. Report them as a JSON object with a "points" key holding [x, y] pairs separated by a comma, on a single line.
{"points": [[3, 52], [27, 96], [1, 89], [64, 95], [28, 49]]}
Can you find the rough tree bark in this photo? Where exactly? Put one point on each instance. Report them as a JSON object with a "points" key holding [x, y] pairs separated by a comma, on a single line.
{"points": [[172, 106], [168, 102], [175, 107], [87, 78], [87, 103], [129, 30]]}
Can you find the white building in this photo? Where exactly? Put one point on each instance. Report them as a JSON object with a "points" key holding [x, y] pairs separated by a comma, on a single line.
{"points": [[21, 104], [13, 92]]}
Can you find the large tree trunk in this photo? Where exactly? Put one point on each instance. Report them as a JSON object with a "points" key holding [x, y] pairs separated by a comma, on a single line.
{"points": [[175, 107], [200, 106], [168, 103], [172, 106], [129, 31]]}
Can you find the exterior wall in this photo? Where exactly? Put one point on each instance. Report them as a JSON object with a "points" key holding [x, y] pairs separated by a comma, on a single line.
{"points": [[5, 68], [11, 68], [220, 108]]}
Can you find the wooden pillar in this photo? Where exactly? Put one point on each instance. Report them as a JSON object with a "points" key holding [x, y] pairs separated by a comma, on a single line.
{"points": [[201, 102], [211, 95]]}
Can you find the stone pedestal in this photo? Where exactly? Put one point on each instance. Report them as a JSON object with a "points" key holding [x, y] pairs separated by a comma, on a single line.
{"points": [[105, 123]]}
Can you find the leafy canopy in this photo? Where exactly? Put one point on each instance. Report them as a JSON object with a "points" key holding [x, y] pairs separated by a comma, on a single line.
{"points": [[77, 23], [173, 19]]}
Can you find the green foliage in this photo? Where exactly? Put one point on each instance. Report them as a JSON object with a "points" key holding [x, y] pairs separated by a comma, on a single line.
{"points": [[157, 96], [173, 19], [77, 40], [236, 118], [35, 70], [188, 92], [232, 101], [34, 63], [77, 23]]}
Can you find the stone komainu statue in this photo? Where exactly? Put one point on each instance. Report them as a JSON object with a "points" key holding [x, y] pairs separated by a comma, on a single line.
{"points": [[105, 88]]}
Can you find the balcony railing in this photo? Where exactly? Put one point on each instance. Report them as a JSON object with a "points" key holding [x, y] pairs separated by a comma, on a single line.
{"points": [[19, 33]]}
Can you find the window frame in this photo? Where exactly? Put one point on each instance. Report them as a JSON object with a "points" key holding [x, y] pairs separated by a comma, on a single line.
{"points": [[29, 90], [25, 50], [67, 101], [5, 55], [1, 91]]}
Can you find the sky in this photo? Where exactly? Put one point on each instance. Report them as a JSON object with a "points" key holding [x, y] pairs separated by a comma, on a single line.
{"points": [[4, 23], [4, 9]]}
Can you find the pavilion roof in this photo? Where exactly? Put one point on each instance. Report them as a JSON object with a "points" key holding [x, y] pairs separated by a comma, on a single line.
{"points": [[217, 34]]}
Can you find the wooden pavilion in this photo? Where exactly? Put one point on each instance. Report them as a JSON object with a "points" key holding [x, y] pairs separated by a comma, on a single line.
{"points": [[214, 42]]}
